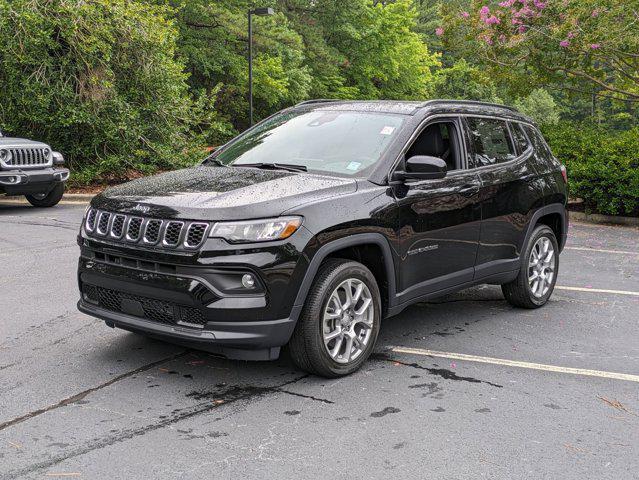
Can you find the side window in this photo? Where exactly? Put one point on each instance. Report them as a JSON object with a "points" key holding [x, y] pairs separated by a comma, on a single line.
{"points": [[437, 140], [521, 141], [490, 140]]}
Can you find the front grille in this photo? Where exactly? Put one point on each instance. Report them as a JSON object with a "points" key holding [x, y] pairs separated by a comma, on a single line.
{"points": [[195, 234], [103, 223], [156, 310], [152, 231], [28, 157], [135, 227], [117, 227], [91, 216], [174, 234]]}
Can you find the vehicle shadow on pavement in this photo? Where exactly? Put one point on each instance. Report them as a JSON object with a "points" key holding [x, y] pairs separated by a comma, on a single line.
{"points": [[426, 322]]}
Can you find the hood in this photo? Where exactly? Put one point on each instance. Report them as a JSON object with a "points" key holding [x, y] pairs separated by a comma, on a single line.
{"points": [[221, 193], [20, 142]]}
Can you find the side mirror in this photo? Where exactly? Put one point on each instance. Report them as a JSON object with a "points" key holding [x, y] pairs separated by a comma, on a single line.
{"points": [[422, 167]]}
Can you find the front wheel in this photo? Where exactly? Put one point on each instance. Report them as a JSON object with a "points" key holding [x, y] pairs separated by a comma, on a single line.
{"points": [[45, 200], [339, 324], [538, 271]]}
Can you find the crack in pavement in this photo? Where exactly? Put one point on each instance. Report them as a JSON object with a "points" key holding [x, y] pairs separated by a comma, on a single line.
{"points": [[81, 395], [311, 397], [232, 395]]}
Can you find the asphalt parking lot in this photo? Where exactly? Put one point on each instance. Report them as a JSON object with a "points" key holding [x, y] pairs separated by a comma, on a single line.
{"points": [[464, 387]]}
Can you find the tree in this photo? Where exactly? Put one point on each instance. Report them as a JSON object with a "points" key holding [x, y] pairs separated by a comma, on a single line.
{"points": [[540, 106], [588, 45], [364, 49], [464, 82], [99, 81]]}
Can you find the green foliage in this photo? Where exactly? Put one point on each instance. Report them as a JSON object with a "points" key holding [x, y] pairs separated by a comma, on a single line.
{"points": [[98, 80], [583, 44], [540, 106], [603, 165], [464, 82]]}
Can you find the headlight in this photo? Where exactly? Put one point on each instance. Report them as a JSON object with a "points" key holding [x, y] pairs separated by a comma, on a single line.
{"points": [[256, 230], [5, 155]]}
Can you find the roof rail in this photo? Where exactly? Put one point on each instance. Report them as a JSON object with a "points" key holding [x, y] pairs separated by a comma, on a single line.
{"points": [[469, 102], [317, 100]]}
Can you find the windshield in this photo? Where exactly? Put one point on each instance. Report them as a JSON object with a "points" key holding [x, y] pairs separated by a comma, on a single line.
{"points": [[343, 143]]}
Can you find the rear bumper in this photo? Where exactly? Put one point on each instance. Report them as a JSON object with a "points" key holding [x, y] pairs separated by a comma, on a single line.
{"points": [[236, 340], [25, 182]]}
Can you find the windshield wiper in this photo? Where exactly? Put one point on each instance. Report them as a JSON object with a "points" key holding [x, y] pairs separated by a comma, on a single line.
{"points": [[274, 166]]}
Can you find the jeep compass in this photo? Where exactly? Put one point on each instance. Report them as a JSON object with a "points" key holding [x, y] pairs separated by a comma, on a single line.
{"points": [[309, 228]]}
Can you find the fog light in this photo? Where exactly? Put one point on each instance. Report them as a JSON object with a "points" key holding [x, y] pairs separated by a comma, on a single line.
{"points": [[248, 280], [13, 180]]}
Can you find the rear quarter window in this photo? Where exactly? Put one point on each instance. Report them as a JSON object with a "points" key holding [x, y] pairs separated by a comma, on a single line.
{"points": [[521, 140], [538, 141]]}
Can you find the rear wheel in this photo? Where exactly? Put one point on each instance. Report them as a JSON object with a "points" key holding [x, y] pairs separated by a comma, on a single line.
{"points": [[45, 200], [338, 327], [538, 272]]}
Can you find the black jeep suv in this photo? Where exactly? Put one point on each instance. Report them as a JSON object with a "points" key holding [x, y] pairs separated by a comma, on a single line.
{"points": [[309, 228]]}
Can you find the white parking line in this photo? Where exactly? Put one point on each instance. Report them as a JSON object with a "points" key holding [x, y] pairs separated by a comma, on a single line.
{"points": [[514, 363], [596, 290], [601, 250]]}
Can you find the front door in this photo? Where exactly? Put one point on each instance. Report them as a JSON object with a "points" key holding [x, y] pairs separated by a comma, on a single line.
{"points": [[439, 219]]}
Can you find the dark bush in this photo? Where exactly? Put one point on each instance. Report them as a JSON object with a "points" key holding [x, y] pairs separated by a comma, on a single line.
{"points": [[603, 165]]}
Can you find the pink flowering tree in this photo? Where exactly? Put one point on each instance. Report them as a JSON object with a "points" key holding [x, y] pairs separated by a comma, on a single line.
{"points": [[586, 45]]}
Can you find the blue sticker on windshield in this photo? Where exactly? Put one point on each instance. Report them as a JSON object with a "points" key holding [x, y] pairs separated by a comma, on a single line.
{"points": [[353, 165]]}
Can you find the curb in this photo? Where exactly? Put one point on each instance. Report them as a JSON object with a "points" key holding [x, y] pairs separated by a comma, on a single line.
{"points": [[599, 218], [69, 199], [78, 197]]}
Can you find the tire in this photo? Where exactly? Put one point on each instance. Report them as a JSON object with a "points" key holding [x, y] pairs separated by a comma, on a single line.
{"points": [[520, 292], [307, 346], [50, 199]]}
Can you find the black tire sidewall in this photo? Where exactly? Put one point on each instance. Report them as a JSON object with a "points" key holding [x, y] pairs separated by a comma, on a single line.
{"points": [[539, 232], [50, 200]]}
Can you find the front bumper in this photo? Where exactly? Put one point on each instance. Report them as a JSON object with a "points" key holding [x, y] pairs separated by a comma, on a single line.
{"points": [[192, 298], [31, 181], [236, 340]]}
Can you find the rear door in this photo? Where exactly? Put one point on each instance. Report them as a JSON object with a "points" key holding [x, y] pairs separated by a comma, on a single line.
{"points": [[439, 219], [510, 191]]}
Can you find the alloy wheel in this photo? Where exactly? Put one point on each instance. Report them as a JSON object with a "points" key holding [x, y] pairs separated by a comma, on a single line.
{"points": [[541, 267], [347, 321]]}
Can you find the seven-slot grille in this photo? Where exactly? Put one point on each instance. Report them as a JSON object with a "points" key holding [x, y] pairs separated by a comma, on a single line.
{"points": [[148, 231], [29, 157]]}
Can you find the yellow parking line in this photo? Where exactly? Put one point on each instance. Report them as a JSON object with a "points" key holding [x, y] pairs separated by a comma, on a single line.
{"points": [[602, 250], [514, 363], [597, 290]]}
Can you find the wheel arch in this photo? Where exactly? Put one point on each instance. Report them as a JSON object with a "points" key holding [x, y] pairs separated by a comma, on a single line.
{"points": [[554, 216], [359, 247]]}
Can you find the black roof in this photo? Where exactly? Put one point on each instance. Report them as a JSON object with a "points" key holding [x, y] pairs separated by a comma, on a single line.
{"points": [[410, 107]]}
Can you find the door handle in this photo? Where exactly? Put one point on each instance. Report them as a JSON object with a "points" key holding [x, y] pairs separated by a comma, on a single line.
{"points": [[469, 190]]}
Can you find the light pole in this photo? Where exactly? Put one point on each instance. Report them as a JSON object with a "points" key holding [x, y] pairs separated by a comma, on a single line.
{"points": [[261, 12]]}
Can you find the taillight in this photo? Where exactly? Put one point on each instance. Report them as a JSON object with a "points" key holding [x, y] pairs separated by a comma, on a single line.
{"points": [[564, 174]]}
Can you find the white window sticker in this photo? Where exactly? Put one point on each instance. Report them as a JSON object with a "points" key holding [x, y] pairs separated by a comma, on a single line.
{"points": [[387, 130], [353, 165]]}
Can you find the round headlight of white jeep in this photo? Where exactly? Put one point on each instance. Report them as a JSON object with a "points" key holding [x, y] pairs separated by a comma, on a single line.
{"points": [[5, 155], [46, 152]]}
